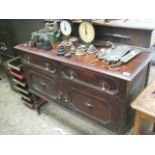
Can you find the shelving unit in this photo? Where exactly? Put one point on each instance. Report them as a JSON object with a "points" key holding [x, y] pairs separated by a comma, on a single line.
{"points": [[18, 83]]}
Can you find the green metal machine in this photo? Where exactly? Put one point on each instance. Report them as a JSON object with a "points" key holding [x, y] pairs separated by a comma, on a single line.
{"points": [[50, 32]]}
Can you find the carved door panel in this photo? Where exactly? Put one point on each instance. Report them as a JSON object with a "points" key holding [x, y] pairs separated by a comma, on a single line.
{"points": [[92, 104]]}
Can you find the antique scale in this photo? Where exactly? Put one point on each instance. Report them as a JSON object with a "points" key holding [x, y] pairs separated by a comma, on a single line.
{"points": [[66, 27], [87, 32], [87, 35]]}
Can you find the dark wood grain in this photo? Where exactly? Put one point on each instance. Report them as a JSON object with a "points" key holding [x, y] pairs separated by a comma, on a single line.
{"points": [[93, 92], [132, 68]]}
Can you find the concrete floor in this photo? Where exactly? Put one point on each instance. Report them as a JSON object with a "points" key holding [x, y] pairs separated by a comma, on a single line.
{"points": [[17, 119]]}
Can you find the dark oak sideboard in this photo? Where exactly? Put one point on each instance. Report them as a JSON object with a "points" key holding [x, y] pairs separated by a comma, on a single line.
{"points": [[94, 92]]}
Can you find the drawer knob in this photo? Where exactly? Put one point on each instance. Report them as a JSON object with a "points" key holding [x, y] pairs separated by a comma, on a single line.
{"points": [[89, 105], [47, 65], [66, 99], [59, 96], [72, 74], [103, 86], [28, 59], [72, 77]]}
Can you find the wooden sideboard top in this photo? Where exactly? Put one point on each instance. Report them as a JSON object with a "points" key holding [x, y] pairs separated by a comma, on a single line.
{"points": [[127, 71]]}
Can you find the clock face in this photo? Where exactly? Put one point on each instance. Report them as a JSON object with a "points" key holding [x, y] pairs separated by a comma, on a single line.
{"points": [[86, 32], [65, 27]]}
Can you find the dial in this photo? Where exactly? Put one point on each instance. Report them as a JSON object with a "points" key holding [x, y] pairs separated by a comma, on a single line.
{"points": [[86, 32], [65, 27]]}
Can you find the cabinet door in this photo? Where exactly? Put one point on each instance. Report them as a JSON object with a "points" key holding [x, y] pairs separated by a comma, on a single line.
{"points": [[93, 104], [41, 83]]}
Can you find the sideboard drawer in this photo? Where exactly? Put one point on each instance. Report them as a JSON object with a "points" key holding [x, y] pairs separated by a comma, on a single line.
{"points": [[41, 62], [41, 83], [103, 83], [90, 105]]}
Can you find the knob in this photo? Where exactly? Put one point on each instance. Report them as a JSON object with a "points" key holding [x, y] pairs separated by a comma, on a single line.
{"points": [[89, 105], [66, 99], [59, 96], [47, 65], [103, 85], [72, 74], [72, 77], [28, 59], [43, 84]]}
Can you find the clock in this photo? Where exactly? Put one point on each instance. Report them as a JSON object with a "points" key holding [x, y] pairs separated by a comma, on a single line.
{"points": [[66, 27], [86, 32]]}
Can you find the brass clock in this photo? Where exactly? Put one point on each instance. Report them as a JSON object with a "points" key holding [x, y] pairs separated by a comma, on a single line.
{"points": [[87, 32]]}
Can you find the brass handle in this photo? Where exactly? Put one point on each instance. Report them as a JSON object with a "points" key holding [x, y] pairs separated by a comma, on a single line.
{"points": [[116, 35], [72, 74], [27, 59], [105, 89], [47, 65], [66, 99], [89, 105], [43, 84], [103, 86], [59, 95], [72, 77]]}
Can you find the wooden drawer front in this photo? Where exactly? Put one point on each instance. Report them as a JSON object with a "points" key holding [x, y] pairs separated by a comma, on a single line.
{"points": [[42, 83], [92, 104], [102, 83], [89, 105], [42, 62]]}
